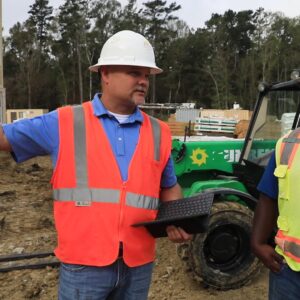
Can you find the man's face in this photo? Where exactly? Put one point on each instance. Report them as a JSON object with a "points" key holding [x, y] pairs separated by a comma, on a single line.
{"points": [[128, 84]]}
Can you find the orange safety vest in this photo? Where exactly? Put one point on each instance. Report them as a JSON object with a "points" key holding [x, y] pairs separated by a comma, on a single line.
{"points": [[93, 208]]}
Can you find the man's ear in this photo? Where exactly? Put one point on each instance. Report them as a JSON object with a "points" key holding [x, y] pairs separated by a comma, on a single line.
{"points": [[104, 73]]}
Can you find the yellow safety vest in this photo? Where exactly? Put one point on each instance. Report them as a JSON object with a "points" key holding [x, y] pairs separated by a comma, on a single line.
{"points": [[288, 173]]}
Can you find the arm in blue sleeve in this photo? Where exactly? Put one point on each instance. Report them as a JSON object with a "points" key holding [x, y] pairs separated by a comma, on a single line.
{"points": [[268, 184], [168, 178], [33, 137]]}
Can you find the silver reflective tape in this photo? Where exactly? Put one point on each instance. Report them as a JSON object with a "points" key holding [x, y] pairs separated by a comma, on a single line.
{"points": [[288, 148], [80, 147], [141, 201], [292, 248], [84, 196], [291, 140], [156, 132], [289, 144]]}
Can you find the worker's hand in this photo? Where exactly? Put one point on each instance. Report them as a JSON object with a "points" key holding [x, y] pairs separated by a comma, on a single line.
{"points": [[269, 257], [178, 235]]}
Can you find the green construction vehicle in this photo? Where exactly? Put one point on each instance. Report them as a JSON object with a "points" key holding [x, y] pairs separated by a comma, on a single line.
{"points": [[221, 257]]}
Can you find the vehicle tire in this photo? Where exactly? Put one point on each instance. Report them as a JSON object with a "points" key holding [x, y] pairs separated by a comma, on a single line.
{"points": [[221, 257]]}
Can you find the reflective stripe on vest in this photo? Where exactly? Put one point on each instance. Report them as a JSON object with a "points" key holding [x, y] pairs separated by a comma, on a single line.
{"points": [[289, 247], [156, 137], [289, 147], [82, 195]]}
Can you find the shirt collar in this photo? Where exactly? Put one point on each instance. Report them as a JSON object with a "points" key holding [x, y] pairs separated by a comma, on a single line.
{"points": [[101, 111]]}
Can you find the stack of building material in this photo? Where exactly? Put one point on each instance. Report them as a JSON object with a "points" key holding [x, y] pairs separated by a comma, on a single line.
{"points": [[179, 128], [186, 114], [13, 115], [237, 114], [220, 125]]}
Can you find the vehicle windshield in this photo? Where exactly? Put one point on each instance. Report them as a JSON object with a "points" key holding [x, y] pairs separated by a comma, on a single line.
{"points": [[281, 108]]}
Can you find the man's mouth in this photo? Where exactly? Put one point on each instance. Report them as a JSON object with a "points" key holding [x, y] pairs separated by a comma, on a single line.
{"points": [[141, 91]]}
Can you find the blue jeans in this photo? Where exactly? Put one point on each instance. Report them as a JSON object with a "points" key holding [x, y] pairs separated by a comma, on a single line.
{"points": [[113, 282], [284, 285]]}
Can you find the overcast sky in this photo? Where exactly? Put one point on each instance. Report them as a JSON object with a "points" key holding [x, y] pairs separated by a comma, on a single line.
{"points": [[193, 12]]}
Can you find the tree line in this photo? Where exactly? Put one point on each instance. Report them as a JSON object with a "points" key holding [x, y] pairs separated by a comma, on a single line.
{"points": [[46, 58]]}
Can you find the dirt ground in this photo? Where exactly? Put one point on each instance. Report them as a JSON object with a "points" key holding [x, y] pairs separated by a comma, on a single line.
{"points": [[26, 226]]}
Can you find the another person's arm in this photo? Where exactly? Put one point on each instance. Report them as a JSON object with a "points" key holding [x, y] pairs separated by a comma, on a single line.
{"points": [[171, 190], [265, 218], [175, 234], [264, 222], [172, 193]]}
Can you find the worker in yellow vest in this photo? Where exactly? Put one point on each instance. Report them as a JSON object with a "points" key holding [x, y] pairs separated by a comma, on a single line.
{"points": [[278, 209], [112, 167]]}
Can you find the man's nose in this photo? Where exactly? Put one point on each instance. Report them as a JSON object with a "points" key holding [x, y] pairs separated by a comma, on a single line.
{"points": [[143, 80]]}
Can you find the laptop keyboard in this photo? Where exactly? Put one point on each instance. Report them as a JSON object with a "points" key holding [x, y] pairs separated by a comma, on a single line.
{"points": [[197, 205]]}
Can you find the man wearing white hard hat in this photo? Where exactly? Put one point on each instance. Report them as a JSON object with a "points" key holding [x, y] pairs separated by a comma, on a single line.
{"points": [[112, 167]]}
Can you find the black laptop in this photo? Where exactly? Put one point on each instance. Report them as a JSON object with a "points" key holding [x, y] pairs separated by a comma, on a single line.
{"points": [[191, 214]]}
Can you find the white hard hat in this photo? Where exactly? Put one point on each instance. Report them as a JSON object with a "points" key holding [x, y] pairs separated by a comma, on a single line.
{"points": [[127, 48]]}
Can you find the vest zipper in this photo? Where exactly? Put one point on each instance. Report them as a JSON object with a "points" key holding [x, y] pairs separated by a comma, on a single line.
{"points": [[122, 204]]}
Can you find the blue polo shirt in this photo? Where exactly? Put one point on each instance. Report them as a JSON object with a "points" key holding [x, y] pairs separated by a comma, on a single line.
{"points": [[269, 182], [40, 136]]}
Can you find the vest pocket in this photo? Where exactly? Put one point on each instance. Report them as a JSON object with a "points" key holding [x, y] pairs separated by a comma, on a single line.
{"points": [[283, 223], [283, 196], [281, 171]]}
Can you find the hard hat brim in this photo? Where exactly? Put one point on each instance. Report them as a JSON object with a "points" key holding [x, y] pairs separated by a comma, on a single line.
{"points": [[153, 69]]}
